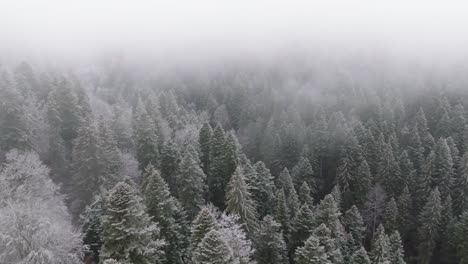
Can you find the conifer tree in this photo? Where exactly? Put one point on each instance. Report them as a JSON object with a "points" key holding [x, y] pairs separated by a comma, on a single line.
{"points": [[292, 200], [167, 212], [429, 226], [203, 223], [213, 250], [354, 224], [461, 233], [396, 252], [128, 234], [447, 248], [191, 184], [302, 172], [304, 194], [380, 247], [388, 171], [282, 212], [443, 167], [146, 140], [263, 192], [92, 227], [330, 244], [405, 212], [416, 149], [407, 169], [169, 164], [423, 130], [233, 233], [362, 183], [302, 226], [270, 246], [312, 253], [360, 257], [204, 139], [458, 123], [239, 201], [344, 178], [329, 214], [461, 186], [423, 182], [390, 216]]}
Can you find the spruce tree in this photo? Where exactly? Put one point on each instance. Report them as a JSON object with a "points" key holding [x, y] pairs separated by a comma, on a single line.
{"points": [[203, 223], [416, 149], [388, 171], [263, 192], [282, 212], [362, 183], [128, 234], [302, 226], [360, 257], [396, 252], [354, 225], [407, 169], [302, 172], [429, 226], [390, 216], [331, 246], [169, 164], [213, 250], [344, 178], [380, 247], [167, 212], [239, 200], [312, 253], [443, 167], [405, 212], [423, 181], [461, 233], [92, 227], [292, 200], [304, 194], [461, 186], [269, 243], [204, 139], [146, 140], [191, 184], [458, 123]]}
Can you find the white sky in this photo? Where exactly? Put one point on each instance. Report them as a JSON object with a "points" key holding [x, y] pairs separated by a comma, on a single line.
{"points": [[84, 26]]}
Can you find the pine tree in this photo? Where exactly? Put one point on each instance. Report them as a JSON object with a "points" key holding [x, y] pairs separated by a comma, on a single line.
{"points": [[362, 183], [13, 129], [423, 130], [405, 212], [204, 139], [146, 140], [354, 224], [458, 123], [388, 171], [443, 167], [217, 171], [396, 252], [302, 226], [304, 194], [302, 172], [128, 234], [461, 186], [170, 164], [270, 246], [235, 236], [374, 208], [312, 253], [443, 126], [285, 182], [330, 244], [380, 251], [461, 233], [92, 227], [416, 150], [263, 192], [447, 248], [239, 201], [109, 153], [407, 169], [191, 184], [203, 223], [329, 214], [423, 182], [429, 224], [344, 178], [390, 216], [360, 257], [167, 212], [213, 250], [282, 212]]}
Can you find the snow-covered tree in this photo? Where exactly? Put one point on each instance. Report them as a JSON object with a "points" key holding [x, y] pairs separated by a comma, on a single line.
{"points": [[234, 235], [312, 252], [128, 234], [213, 250], [269, 244], [203, 223]]}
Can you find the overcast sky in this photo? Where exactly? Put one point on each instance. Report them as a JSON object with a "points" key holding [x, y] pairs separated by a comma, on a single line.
{"points": [[69, 28]]}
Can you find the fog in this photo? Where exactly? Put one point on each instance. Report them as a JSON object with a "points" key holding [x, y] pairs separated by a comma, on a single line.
{"points": [[209, 30]]}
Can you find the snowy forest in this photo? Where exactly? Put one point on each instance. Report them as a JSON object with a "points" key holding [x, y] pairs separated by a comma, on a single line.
{"points": [[303, 161]]}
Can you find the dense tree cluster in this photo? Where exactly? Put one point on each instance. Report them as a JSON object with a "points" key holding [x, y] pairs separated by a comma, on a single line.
{"points": [[267, 166]]}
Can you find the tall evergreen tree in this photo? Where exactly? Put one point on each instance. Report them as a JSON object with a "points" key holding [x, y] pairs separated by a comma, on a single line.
{"points": [[362, 183], [146, 140], [204, 139], [270, 246], [213, 250], [167, 212], [429, 226], [443, 167], [169, 164], [128, 234], [391, 215], [292, 200], [302, 172], [396, 252], [329, 243], [239, 201], [191, 184], [302, 226], [461, 232], [461, 186], [282, 212], [360, 257], [304, 194], [263, 192], [405, 212], [312, 253], [354, 225], [203, 223], [380, 247]]}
